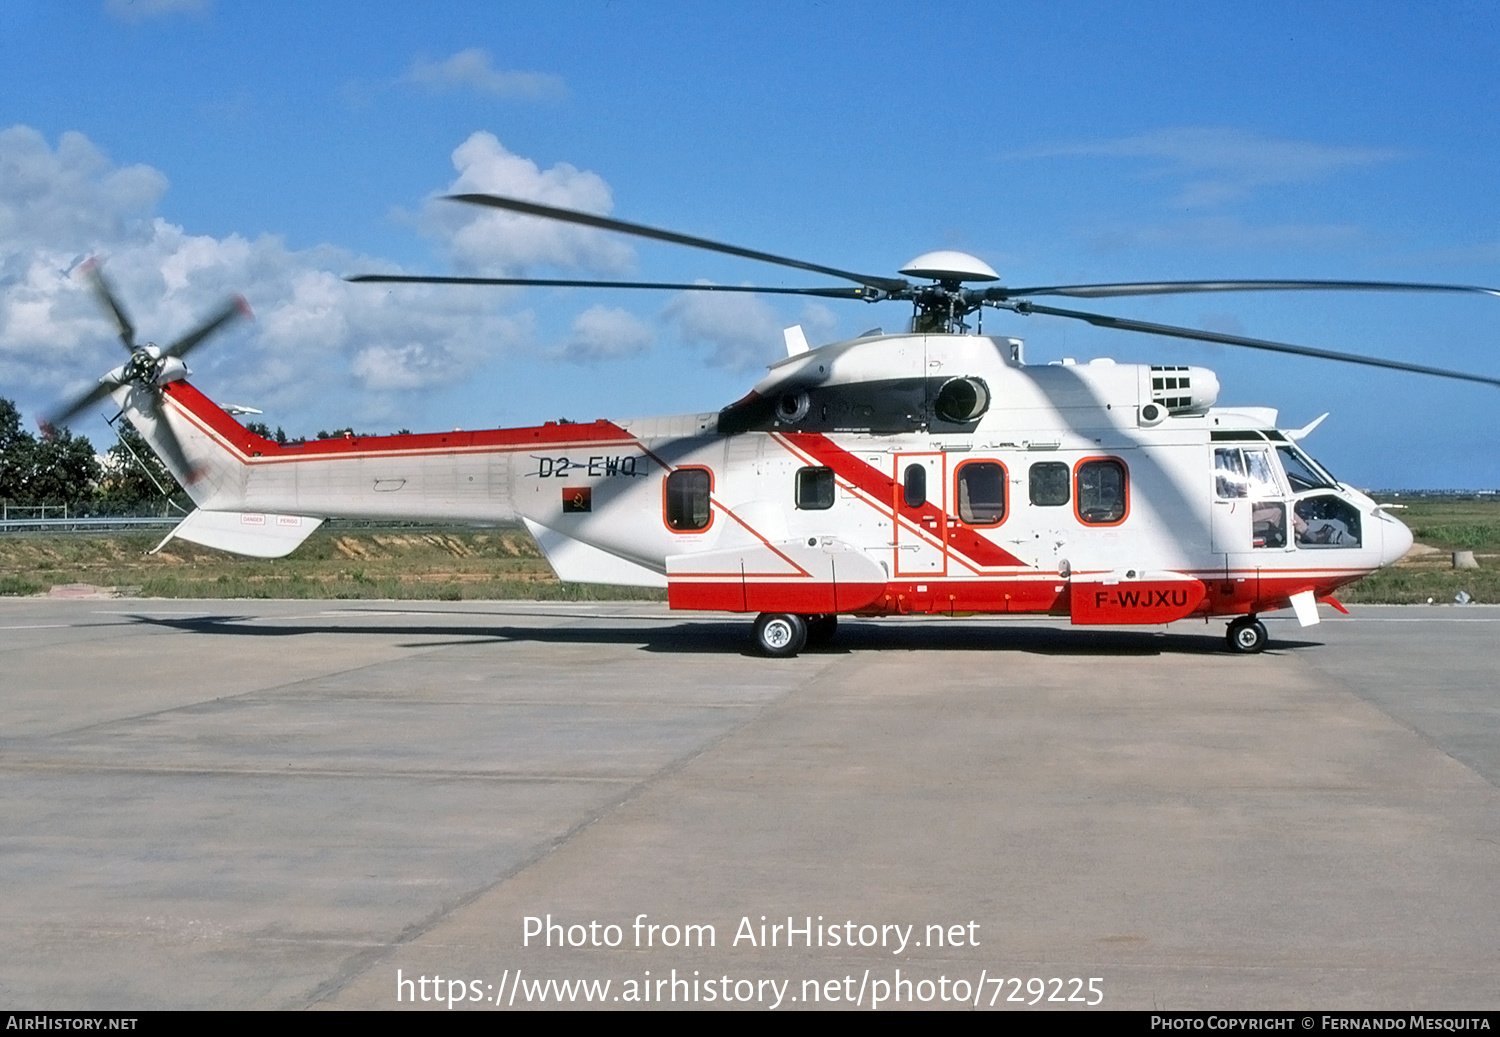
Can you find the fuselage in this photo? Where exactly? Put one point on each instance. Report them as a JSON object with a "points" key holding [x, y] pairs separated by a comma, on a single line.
{"points": [[912, 473]]}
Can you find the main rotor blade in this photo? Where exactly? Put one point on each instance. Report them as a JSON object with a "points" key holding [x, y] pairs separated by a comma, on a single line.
{"points": [[535, 282], [79, 405], [101, 288], [1103, 291], [1122, 324], [237, 307], [885, 284]]}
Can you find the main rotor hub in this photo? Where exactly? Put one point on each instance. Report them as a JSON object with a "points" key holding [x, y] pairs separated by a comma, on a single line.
{"points": [[946, 266], [942, 307]]}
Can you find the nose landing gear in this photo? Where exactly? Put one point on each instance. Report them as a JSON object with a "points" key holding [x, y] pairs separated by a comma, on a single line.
{"points": [[1247, 636]]}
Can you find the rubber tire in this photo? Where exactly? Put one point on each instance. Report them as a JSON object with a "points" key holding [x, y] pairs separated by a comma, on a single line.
{"points": [[820, 630], [780, 635], [1247, 636]]}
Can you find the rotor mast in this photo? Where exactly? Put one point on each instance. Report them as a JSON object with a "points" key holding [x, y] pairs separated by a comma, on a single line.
{"points": [[940, 308]]}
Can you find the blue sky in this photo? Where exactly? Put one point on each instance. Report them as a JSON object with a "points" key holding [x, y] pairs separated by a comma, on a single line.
{"points": [[211, 147]]}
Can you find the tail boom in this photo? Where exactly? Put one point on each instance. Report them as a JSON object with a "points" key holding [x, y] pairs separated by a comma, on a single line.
{"points": [[448, 476]]}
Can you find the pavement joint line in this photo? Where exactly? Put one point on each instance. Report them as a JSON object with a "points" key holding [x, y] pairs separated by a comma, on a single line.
{"points": [[508, 777], [227, 698], [118, 931], [1310, 663], [361, 964]]}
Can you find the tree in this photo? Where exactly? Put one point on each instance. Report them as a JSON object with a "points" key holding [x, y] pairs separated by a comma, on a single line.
{"points": [[134, 476], [59, 469], [64, 470], [263, 430], [15, 452]]}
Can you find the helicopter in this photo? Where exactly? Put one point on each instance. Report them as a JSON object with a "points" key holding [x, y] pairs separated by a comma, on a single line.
{"points": [[929, 472]]}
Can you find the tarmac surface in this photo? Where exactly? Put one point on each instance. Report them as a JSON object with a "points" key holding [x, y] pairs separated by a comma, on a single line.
{"points": [[236, 804]]}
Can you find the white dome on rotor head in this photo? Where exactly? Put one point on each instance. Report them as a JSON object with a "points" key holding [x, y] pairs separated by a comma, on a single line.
{"points": [[947, 265]]}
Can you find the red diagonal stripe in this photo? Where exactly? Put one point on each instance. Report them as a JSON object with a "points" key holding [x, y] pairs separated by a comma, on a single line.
{"points": [[961, 539]]}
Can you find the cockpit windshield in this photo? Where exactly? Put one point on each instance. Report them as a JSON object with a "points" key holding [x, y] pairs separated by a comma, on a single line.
{"points": [[1302, 471]]}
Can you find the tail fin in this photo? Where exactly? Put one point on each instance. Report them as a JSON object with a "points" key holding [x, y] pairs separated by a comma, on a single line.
{"points": [[201, 445]]}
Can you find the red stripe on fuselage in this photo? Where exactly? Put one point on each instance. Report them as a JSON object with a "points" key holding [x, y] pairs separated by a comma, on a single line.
{"points": [[866, 477], [259, 450]]}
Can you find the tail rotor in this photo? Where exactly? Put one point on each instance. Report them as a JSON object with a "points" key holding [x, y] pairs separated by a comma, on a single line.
{"points": [[149, 368]]}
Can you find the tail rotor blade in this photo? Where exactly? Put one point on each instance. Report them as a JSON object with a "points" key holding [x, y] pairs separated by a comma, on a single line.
{"points": [[82, 403], [170, 446], [236, 308], [107, 299]]}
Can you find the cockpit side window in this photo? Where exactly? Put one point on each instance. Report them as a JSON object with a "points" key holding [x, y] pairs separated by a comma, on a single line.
{"points": [[1268, 524], [1229, 474], [1326, 521], [1302, 472], [1244, 472], [1261, 474]]}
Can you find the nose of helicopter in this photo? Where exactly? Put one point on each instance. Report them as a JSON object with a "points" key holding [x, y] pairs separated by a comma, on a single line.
{"points": [[1396, 539]]}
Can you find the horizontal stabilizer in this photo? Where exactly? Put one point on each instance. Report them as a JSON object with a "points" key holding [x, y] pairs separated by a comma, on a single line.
{"points": [[577, 562], [244, 533]]}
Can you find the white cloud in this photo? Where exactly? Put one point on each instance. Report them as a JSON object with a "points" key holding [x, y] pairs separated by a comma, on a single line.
{"points": [[740, 331], [471, 69], [139, 10], [605, 333], [70, 197], [318, 341], [1215, 165], [819, 324], [492, 241]]}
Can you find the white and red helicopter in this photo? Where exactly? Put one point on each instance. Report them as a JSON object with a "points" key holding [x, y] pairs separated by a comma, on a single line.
{"points": [[929, 472]]}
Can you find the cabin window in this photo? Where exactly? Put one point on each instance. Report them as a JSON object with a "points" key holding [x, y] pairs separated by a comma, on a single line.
{"points": [[914, 486], [1326, 521], [981, 493], [685, 499], [1049, 484], [1102, 492], [814, 488]]}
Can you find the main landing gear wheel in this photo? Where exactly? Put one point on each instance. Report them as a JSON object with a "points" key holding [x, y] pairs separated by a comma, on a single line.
{"points": [[1247, 636], [780, 635], [820, 630]]}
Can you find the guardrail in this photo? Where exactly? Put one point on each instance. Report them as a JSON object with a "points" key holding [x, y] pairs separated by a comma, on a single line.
{"points": [[66, 525]]}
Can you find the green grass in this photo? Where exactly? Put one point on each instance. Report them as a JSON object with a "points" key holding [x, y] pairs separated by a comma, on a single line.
{"points": [[18, 585], [1447, 524], [1462, 523], [433, 565], [1409, 585]]}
